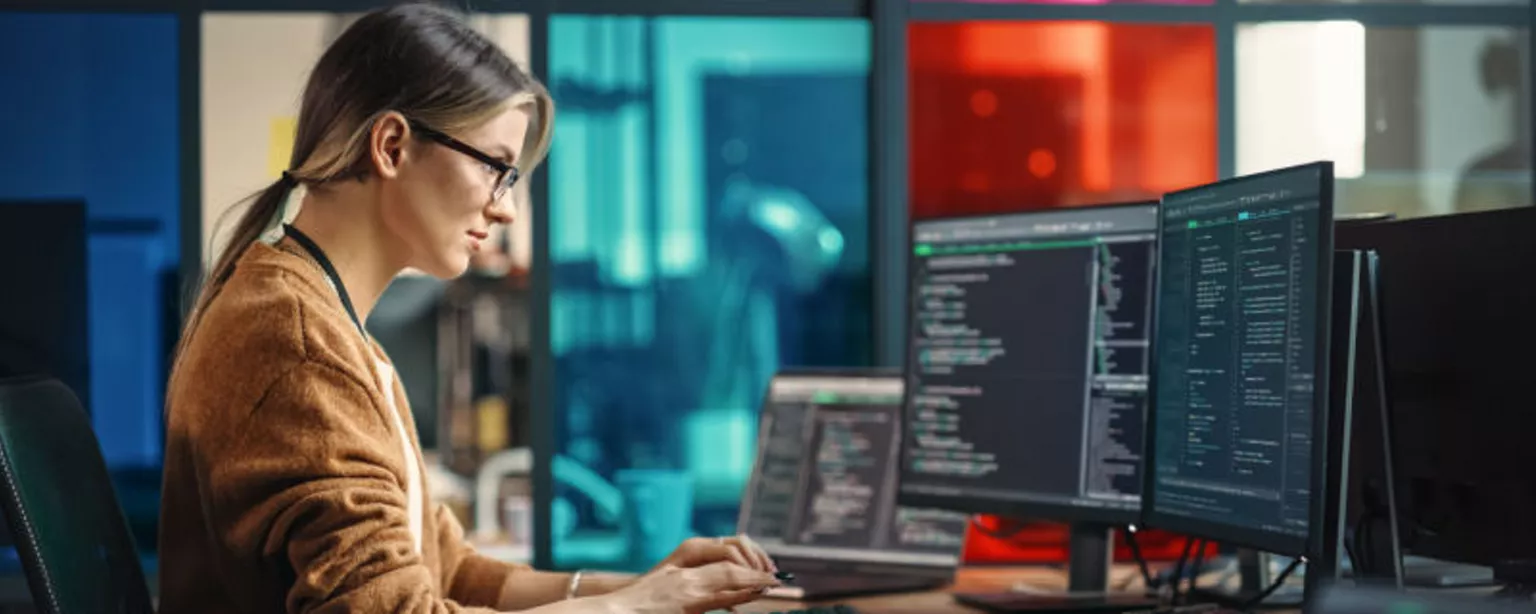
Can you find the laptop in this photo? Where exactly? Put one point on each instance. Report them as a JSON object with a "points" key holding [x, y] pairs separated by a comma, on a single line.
{"points": [[822, 496]]}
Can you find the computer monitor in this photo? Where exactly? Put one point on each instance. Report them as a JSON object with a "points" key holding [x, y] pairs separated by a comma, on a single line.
{"points": [[822, 494], [1027, 370], [1239, 416], [1028, 363], [43, 279], [1458, 313]]}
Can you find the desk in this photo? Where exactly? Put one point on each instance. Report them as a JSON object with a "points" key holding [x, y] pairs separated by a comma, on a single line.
{"points": [[16, 599], [968, 580]]}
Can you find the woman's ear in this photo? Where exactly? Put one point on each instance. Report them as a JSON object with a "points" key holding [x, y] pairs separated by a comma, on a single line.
{"points": [[386, 143]]}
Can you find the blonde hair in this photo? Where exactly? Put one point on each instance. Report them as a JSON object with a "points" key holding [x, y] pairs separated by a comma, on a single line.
{"points": [[420, 60]]}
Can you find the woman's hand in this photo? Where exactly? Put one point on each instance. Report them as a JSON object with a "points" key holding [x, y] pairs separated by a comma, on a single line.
{"points": [[677, 590], [700, 551]]}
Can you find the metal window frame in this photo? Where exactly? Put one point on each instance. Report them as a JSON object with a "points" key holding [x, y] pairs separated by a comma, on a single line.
{"points": [[889, 151], [541, 360]]}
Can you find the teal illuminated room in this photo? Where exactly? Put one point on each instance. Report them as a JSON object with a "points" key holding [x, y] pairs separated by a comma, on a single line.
{"points": [[921, 305]]}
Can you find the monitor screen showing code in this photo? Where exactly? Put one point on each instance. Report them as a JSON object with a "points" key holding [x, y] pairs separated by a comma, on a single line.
{"points": [[1029, 359], [1238, 338], [824, 484]]}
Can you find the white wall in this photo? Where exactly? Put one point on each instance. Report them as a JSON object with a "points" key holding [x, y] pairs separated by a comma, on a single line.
{"points": [[254, 67], [1301, 96]]}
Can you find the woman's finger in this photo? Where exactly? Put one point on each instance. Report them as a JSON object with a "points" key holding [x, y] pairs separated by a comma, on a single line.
{"points": [[715, 551], [753, 560], [697, 552], [735, 555], [760, 553], [729, 577], [759, 558], [743, 553]]}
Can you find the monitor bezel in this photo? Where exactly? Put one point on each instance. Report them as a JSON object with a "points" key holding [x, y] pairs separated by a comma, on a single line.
{"points": [[1311, 544], [981, 505]]}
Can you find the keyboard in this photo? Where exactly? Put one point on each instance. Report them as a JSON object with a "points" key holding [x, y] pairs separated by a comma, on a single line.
{"points": [[839, 608]]}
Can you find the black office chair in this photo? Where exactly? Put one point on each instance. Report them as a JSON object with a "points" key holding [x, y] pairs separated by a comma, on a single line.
{"points": [[59, 505]]}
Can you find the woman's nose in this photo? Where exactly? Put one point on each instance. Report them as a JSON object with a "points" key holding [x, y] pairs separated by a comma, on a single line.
{"points": [[502, 210]]}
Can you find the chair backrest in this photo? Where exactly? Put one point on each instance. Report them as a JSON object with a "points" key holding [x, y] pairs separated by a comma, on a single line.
{"points": [[59, 504]]}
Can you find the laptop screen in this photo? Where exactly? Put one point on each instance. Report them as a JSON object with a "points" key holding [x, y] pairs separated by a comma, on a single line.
{"points": [[824, 484]]}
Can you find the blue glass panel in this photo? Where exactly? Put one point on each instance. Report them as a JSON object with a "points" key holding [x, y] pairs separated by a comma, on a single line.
{"points": [[90, 112], [709, 224]]}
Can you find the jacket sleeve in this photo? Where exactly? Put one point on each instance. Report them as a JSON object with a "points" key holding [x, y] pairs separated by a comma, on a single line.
{"points": [[474, 579], [307, 482]]}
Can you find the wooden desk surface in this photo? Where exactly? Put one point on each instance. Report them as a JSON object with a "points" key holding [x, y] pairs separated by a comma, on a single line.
{"points": [[967, 580]]}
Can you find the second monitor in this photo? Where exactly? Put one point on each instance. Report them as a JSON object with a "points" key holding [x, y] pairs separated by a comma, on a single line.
{"points": [[1240, 424], [1028, 366]]}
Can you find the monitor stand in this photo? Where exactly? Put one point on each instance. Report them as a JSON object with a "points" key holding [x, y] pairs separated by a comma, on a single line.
{"points": [[1380, 512], [1254, 575], [1425, 572], [1089, 558]]}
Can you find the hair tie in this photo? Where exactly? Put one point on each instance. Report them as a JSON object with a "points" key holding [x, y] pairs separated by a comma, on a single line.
{"points": [[273, 231]]}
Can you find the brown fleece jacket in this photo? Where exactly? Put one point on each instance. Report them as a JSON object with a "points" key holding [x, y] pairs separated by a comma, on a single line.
{"points": [[285, 483]]}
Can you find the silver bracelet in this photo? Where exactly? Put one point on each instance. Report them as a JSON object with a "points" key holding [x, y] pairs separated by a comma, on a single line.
{"points": [[570, 589]]}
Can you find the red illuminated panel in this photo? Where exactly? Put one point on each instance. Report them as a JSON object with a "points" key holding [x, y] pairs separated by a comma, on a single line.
{"points": [[997, 541], [1010, 116]]}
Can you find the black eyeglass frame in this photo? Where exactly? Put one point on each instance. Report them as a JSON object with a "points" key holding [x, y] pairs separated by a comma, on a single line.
{"points": [[506, 174]]}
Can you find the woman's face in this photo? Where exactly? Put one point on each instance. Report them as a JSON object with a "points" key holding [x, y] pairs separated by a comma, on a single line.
{"points": [[442, 210]]}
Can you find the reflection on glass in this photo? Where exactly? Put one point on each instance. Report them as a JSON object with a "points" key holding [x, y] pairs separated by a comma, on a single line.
{"points": [[710, 224], [1419, 121], [1008, 116]]}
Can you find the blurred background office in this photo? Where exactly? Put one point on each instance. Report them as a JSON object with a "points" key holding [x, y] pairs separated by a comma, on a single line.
{"points": [[728, 194]]}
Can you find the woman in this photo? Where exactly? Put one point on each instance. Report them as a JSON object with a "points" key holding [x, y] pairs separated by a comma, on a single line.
{"points": [[293, 476]]}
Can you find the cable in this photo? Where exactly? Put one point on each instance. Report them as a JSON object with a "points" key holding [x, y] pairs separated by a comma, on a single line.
{"points": [[1364, 553], [1141, 561], [1178, 569], [1362, 543], [1350, 550], [1198, 568], [1181, 594], [1275, 586]]}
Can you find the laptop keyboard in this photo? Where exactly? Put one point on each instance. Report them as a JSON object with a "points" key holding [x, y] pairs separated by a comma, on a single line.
{"points": [[840, 608]]}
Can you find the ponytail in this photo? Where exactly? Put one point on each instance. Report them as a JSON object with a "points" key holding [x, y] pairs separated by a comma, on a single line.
{"points": [[262, 214]]}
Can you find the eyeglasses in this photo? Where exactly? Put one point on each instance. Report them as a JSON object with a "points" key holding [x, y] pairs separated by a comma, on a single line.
{"points": [[506, 174]]}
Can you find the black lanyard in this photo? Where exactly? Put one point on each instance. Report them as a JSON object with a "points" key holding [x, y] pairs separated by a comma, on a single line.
{"points": [[330, 271]]}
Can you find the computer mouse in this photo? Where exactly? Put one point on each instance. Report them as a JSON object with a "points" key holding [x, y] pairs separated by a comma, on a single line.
{"points": [[784, 576]]}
